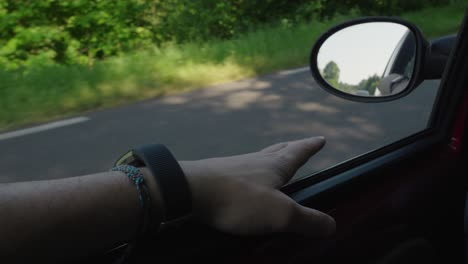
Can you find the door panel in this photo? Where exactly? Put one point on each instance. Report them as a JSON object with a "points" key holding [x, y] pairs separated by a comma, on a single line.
{"points": [[411, 203]]}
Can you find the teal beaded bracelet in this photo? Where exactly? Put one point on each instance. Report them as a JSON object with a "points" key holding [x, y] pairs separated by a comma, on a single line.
{"points": [[135, 175]]}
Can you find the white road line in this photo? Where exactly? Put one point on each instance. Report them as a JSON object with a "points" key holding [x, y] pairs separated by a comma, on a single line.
{"points": [[49, 126], [294, 71]]}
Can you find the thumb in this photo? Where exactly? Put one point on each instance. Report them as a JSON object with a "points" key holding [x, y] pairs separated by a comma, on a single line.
{"points": [[311, 222]]}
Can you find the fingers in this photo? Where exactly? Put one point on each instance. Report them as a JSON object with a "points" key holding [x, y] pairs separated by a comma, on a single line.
{"points": [[310, 222], [301, 142], [275, 147], [305, 147], [298, 152]]}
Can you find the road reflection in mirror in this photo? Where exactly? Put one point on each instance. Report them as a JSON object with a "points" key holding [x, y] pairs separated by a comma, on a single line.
{"points": [[369, 59]]}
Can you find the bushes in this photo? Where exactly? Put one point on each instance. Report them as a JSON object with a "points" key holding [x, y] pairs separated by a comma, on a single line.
{"points": [[69, 32], [378, 7], [80, 31]]}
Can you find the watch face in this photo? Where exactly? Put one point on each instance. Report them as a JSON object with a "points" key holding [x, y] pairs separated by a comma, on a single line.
{"points": [[126, 159], [129, 159]]}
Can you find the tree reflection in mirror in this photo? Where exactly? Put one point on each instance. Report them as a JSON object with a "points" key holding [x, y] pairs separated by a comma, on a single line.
{"points": [[369, 59]]}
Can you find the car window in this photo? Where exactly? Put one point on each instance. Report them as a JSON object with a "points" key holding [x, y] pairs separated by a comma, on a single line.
{"points": [[229, 119], [82, 83], [366, 127]]}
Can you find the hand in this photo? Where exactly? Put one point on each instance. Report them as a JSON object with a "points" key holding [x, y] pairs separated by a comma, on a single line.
{"points": [[240, 194]]}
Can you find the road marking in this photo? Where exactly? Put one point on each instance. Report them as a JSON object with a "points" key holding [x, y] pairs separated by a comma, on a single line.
{"points": [[294, 71], [49, 126]]}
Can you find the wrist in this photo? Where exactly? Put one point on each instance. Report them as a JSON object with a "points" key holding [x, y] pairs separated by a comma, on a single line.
{"points": [[191, 172], [200, 182], [155, 196]]}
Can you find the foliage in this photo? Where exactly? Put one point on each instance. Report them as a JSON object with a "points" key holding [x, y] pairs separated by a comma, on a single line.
{"points": [[331, 73], [81, 31], [48, 90], [369, 84], [378, 7], [69, 32], [187, 20]]}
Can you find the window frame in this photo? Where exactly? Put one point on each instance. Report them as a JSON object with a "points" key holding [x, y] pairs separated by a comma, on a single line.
{"points": [[437, 134]]}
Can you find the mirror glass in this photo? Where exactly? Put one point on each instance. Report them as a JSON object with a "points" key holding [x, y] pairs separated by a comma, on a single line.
{"points": [[369, 59]]}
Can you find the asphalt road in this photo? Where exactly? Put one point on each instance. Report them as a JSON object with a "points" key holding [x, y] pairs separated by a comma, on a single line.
{"points": [[227, 119]]}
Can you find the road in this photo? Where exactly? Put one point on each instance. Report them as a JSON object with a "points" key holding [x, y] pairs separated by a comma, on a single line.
{"points": [[226, 119]]}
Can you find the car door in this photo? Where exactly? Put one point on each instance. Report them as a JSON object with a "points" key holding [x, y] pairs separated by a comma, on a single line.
{"points": [[402, 203]]}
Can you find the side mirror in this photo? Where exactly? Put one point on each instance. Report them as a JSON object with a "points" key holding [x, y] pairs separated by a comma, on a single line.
{"points": [[376, 59]]}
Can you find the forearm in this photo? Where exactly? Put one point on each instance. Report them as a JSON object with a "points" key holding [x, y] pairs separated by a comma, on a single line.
{"points": [[68, 217]]}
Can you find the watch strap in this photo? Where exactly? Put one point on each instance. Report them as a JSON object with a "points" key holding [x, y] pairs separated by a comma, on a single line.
{"points": [[171, 180]]}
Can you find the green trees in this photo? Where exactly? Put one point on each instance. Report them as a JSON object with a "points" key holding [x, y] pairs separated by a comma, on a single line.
{"points": [[369, 84], [331, 73], [377, 7], [69, 32], [80, 31]]}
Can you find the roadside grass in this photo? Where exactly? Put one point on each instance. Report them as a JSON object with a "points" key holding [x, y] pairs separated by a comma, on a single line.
{"points": [[438, 21], [49, 92]]}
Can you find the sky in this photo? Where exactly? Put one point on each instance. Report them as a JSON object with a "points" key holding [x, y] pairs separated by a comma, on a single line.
{"points": [[361, 50]]}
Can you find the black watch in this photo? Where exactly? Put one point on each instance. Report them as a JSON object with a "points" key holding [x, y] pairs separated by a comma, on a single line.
{"points": [[171, 180]]}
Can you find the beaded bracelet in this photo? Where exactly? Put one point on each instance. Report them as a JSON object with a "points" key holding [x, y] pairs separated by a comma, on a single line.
{"points": [[134, 174]]}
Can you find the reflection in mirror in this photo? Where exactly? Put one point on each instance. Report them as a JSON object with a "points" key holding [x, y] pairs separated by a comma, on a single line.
{"points": [[369, 59]]}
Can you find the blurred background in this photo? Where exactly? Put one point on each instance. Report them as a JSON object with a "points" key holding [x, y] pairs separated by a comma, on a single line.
{"points": [[63, 57], [226, 74]]}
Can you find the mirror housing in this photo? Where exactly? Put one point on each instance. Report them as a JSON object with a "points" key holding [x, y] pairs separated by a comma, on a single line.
{"points": [[428, 61], [437, 55]]}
